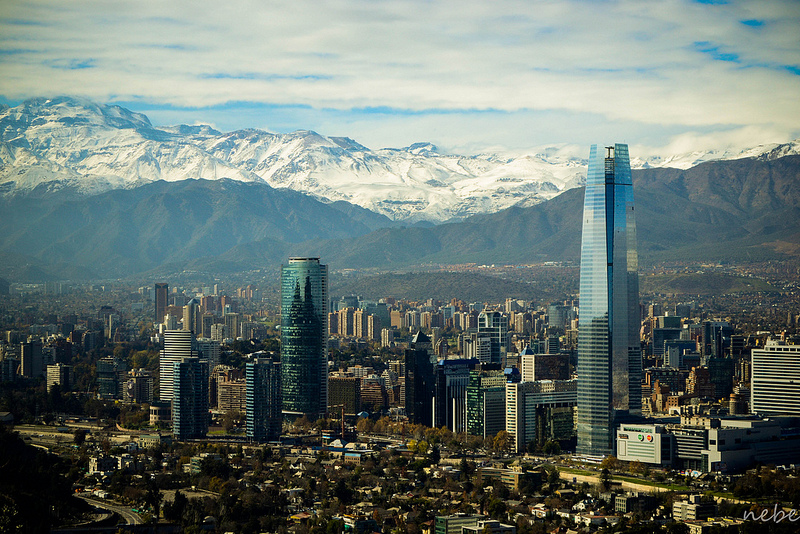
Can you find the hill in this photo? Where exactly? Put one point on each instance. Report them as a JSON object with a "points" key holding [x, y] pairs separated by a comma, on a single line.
{"points": [[722, 211]]}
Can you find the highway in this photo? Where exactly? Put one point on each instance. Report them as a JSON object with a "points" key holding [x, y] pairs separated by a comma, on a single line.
{"points": [[129, 517]]}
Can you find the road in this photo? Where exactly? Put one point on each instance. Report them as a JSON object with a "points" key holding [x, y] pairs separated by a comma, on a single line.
{"points": [[129, 517], [595, 479]]}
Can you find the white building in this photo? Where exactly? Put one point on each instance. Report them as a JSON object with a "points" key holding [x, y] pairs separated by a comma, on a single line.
{"points": [[775, 384]]}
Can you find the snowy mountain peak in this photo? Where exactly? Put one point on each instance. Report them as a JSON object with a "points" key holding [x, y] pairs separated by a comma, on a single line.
{"points": [[422, 149], [92, 147]]}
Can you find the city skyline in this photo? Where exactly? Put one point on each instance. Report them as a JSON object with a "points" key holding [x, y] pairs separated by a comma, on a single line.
{"points": [[502, 76]]}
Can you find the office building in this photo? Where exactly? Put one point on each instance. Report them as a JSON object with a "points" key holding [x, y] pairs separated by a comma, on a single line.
{"points": [[190, 399], [177, 345], [111, 376], [609, 356], [693, 509], [139, 387], [543, 366], [162, 301], [231, 396], [208, 350], [192, 314], [232, 321], [344, 391], [486, 402], [495, 324], [59, 374], [540, 411], [419, 381], [775, 382], [452, 524], [263, 383], [32, 362], [450, 393], [304, 337]]}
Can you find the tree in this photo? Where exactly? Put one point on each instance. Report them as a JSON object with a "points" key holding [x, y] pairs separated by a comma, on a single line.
{"points": [[79, 436], [552, 448], [609, 462], [153, 497], [605, 478], [435, 455], [501, 441]]}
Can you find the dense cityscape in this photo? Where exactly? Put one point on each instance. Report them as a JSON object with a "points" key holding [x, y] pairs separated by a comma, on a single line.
{"points": [[202, 405]]}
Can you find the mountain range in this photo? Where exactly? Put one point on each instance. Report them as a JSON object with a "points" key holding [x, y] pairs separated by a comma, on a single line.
{"points": [[91, 191]]}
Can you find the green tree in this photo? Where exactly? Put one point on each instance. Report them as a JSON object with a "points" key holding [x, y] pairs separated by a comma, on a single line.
{"points": [[79, 436], [605, 478]]}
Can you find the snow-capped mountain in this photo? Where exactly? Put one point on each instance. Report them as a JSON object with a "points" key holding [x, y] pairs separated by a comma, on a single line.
{"points": [[72, 142], [692, 159]]}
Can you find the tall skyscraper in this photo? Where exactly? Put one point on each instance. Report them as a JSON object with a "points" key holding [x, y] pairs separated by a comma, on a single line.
{"points": [[495, 324], [162, 300], [263, 398], [775, 386], [190, 399], [419, 381], [450, 393], [609, 356], [177, 345], [190, 314], [304, 337]]}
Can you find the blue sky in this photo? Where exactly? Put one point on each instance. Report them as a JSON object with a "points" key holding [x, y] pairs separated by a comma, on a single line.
{"points": [[470, 76]]}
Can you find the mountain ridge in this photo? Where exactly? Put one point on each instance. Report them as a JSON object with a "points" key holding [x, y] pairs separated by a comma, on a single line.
{"points": [[91, 148]]}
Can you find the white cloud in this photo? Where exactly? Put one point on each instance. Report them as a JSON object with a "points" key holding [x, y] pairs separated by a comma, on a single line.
{"points": [[659, 70]]}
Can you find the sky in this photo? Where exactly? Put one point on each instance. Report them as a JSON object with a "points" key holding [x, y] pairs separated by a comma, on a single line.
{"points": [[470, 76]]}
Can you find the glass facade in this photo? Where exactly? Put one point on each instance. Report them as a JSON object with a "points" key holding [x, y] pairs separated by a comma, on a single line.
{"points": [[263, 399], [495, 324], [609, 355], [304, 337], [190, 400]]}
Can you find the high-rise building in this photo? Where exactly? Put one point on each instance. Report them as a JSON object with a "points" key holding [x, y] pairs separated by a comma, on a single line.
{"points": [[419, 381], [304, 337], [139, 386], [540, 411], [162, 301], [190, 315], [775, 385], [190, 399], [495, 324], [609, 355], [232, 325], [32, 363], [209, 350], [450, 393], [111, 374], [60, 374], [263, 384], [344, 391], [177, 345], [486, 401]]}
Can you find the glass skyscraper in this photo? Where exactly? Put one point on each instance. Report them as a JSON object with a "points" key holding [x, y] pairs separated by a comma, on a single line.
{"points": [[609, 354], [263, 392], [304, 337], [190, 399]]}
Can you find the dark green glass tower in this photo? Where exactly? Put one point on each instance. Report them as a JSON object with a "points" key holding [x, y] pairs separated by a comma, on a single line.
{"points": [[304, 337]]}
